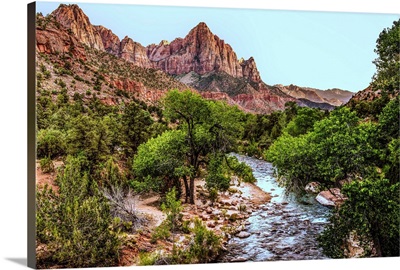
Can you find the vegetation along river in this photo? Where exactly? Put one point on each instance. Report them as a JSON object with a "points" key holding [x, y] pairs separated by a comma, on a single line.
{"points": [[283, 229]]}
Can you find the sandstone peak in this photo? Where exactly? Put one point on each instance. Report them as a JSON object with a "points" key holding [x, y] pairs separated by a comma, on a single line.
{"points": [[202, 26], [72, 17]]}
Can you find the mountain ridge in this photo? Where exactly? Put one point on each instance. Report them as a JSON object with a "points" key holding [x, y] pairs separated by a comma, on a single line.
{"points": [[200, 60]]}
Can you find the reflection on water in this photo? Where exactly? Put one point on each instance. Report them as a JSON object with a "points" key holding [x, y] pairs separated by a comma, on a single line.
{"points": [[283, 229]]}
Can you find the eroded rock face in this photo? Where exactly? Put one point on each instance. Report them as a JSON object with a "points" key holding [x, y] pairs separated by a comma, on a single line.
{"points": [[73, 18], [134, 52], [110, 40], [51, 40], [201, 52]]}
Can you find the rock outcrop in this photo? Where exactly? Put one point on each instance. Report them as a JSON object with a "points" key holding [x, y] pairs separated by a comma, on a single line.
{"points": [[72, 17], [201, 60], [134, 52], [51, 40], [111, 42]]}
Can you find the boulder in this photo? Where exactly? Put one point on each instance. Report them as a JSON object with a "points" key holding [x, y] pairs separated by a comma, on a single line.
{"points": [[243, 234], [330, 197]]}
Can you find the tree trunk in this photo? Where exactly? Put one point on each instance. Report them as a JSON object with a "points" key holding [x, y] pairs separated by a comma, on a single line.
{"points": [[192, 190], [187, 191]]}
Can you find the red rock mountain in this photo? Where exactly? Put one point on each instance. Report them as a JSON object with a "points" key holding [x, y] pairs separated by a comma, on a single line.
{"points": [[201, 60]]}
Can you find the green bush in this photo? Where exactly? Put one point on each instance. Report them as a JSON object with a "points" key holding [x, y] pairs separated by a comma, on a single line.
{"points": [[50, 143], [216, 178], [172, 208], [161, 232], [147, 258], [205, 245], [76, 224], [46, 164]]}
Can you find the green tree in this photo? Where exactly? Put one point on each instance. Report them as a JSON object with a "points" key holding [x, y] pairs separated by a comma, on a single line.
{"points": [[162, 158], [338, 147], [216, 178], [208, 127], [294, 161], [387, 76], [371, 212], [89, 136], [303, 121], [136, 124]]}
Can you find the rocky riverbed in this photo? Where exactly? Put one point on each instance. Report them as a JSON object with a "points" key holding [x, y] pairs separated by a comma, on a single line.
{"points": [[282, 229]]}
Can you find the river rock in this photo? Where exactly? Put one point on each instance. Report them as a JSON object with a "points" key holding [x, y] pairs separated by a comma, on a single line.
{"points": [[243, 234], [330, 197], [239, 259], [313, 187]]}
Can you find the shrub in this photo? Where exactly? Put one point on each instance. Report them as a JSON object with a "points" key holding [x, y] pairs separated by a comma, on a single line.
{"points": [[205, 245], [147, 258], [161, 232], [50, 143], [46, 164], [172, 208], [75, 224]]}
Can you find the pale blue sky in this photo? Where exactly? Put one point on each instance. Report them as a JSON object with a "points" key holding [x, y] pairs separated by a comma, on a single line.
{"points": [[315, 49]]}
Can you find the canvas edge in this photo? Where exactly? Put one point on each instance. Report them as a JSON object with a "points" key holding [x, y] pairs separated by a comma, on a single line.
{"points": [[31, 135]]}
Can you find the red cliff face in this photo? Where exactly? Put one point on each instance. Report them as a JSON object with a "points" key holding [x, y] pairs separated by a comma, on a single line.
{"points": [[73, 18], [52, 40], [134, 52], [201, 52], [110, 40]]}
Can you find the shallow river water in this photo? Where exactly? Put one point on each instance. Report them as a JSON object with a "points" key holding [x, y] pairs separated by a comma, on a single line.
{"points": [[283, 229]]}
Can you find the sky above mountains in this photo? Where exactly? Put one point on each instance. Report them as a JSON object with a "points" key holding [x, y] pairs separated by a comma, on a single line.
{"points": [[314, 49]]}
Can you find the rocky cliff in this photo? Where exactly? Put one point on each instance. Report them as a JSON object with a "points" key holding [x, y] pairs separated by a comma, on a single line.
{"points": [[200, 60]]}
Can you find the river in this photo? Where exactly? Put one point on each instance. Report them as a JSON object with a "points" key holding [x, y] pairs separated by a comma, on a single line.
{"points": [[283, 229]]}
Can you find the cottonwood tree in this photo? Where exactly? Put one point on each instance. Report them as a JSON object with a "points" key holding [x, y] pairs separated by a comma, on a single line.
{"points": [[203, 127]]}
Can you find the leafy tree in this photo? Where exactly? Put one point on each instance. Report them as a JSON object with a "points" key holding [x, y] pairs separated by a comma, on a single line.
{"points": [[294, 161], [336, 148], [88, 136], [371, 213], [163, 158], [387, 76], [216, 178], [342, 147], [389, 123], [303, 121], [136, 124], [75, 223], [208, 127]]}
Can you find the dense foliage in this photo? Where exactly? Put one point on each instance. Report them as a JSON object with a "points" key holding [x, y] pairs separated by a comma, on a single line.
{"points": [[370, 214], [205, 129], [75, 223], [387, 76]]}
